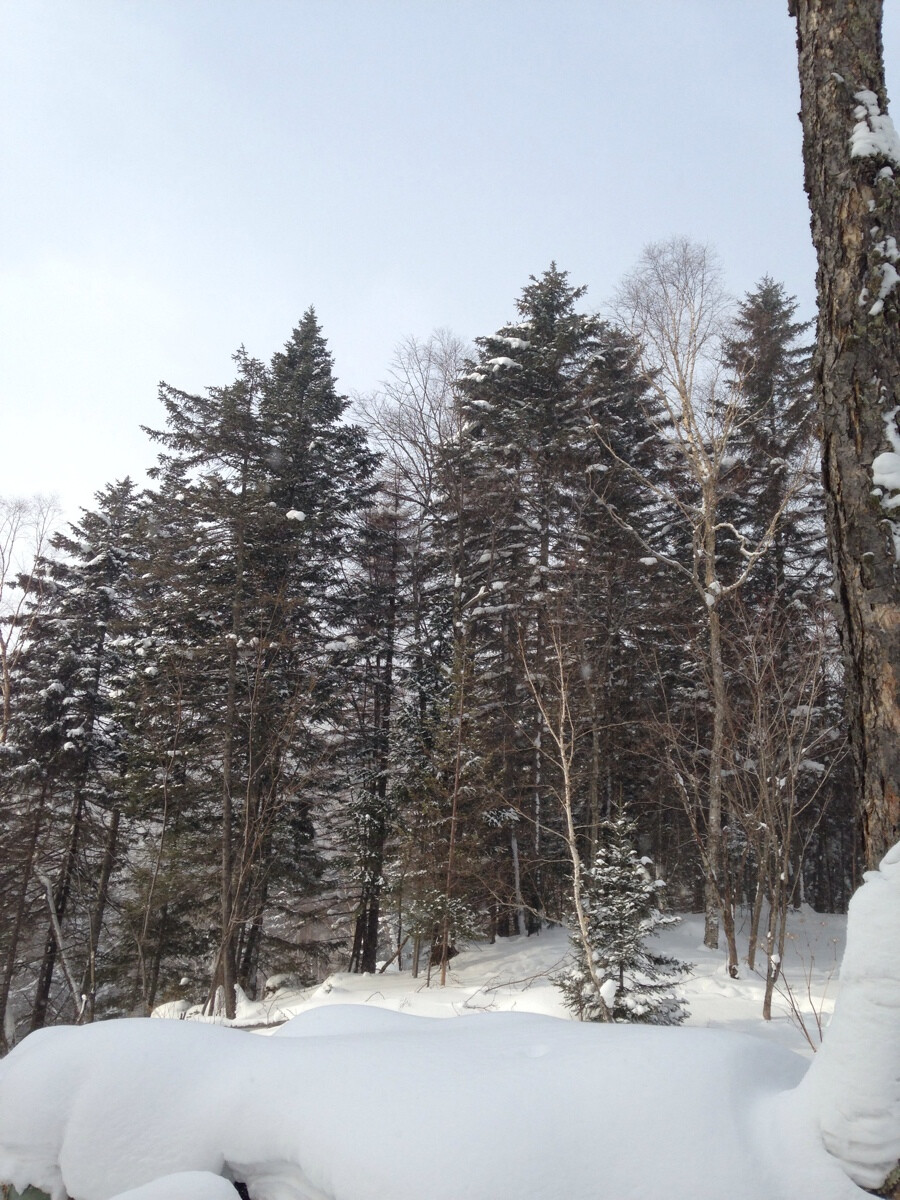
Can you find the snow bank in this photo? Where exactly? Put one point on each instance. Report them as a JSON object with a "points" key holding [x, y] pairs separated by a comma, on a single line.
{"points": [[186, 1185], [373, 1104], [853, 1085]]}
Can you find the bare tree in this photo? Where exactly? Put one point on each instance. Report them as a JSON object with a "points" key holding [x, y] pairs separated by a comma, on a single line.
{"points": [[675, 306], [851, 153], [552, 695], [783, 755], [25, 526], [414, 418]]}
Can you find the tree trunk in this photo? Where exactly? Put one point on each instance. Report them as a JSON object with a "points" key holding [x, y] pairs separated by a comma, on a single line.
{"points": [[89, 984], [60, 904], [713, 896], [850, 154], [226, 967], [15, 931]]}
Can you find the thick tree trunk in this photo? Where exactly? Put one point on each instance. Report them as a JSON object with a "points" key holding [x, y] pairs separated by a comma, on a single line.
{"points": [[852, 167]]}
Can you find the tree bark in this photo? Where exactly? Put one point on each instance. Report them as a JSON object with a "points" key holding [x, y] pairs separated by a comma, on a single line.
{"points": [[851, 158]]}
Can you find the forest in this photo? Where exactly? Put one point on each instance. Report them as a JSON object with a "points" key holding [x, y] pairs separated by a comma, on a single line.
{"points": [[350, 683]]}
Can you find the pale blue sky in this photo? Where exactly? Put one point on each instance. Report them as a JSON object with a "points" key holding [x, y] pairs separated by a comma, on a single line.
{"points": [[178, 177]]}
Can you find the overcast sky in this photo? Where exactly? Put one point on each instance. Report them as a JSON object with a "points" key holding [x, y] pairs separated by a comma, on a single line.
{"points": [[179, 177]]}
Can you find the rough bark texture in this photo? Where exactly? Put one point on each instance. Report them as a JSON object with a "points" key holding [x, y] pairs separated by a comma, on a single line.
{"points": [[855, 205]]}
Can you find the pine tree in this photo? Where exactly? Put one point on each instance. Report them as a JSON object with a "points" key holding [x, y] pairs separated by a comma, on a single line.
{"points": [[259, 485], [779, 642], [772, 372], [70, 751], [376, 617], [621, 901], [554, 421]]}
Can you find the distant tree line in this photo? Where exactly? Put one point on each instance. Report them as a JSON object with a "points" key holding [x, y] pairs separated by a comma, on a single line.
{"points": [[333, 691]]}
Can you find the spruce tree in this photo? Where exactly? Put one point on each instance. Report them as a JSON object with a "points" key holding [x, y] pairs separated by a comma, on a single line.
{"points": [[621, 901], [260, 482], [771, 460], [554, 421], [70, 750]]}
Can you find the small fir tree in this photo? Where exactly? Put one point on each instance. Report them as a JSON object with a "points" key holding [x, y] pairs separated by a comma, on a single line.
{"points": [[620, 898]]}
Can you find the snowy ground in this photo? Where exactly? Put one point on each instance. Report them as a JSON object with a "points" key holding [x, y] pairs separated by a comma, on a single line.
{"points": [[355, 1093], [516, 975]]}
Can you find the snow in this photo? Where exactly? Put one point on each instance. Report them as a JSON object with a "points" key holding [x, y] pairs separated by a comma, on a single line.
{"points": [[889, 280], [294, 514], [873, 134], [853, 1086], [342, 1114], [501, 361], [886, 474], [185, 1185], [608, 991], [365, 1094], [886, 470]]}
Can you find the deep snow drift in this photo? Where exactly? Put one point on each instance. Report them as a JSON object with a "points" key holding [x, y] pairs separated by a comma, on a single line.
{"points": [[361, 1101], [498, 1105]]}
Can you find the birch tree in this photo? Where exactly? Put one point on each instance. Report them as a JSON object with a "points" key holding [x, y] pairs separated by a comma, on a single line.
{"points": [[675, 305]]}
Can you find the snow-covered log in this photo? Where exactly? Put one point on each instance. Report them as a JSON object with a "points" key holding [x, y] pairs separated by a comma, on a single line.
{"points": [[853, 1085]]}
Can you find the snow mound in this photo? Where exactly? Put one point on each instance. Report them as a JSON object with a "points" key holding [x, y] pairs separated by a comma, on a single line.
{"points": [[491, 1106], [186, 1185], [342, 1019], [853, 1086]]}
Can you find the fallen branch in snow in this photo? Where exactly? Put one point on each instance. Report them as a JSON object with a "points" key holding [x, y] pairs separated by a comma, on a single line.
{"points": [[527, 980], [384, 966]]}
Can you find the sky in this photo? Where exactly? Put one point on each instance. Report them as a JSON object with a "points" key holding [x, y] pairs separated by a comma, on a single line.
{"points": [[182, 177]]}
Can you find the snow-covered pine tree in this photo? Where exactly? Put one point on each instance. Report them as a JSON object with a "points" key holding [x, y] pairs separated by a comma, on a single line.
{"points": [[259, 484], [375, 600], [771, 366], [555, 430], [620, 898], [780, 641], [69, 757]]}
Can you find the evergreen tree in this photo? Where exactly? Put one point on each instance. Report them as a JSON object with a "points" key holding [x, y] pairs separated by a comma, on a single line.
{"points": [[771, 367], [555, 418], [621, 902], [778, 619], [259, 485], [70, 752], [376, 596]]}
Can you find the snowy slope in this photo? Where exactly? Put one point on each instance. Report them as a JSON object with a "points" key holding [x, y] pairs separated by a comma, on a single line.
{"points": [[516, 975]]}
